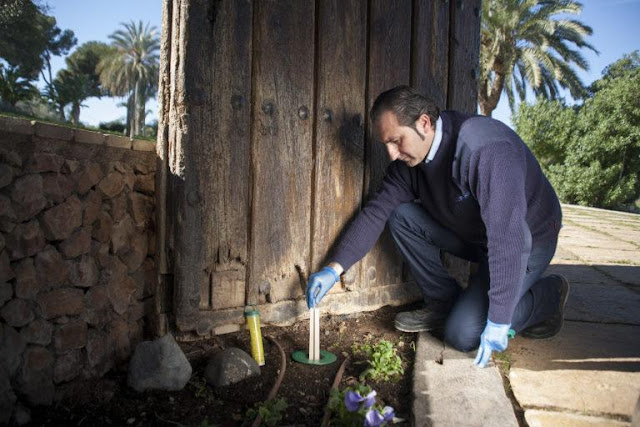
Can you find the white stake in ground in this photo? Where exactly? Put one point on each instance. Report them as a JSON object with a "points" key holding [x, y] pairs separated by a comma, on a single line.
{"points": [[314, 334], [315, 355]]}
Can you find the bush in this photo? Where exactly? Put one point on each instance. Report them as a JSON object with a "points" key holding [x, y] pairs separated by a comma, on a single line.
{"points": [[591, 153], [113, 126]]}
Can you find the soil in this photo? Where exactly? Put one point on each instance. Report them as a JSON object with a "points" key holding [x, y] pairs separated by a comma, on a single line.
{"points": [[306, 388]]}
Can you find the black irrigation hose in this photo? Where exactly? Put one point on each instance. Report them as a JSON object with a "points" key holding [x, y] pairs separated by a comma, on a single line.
{"points": [[274, 390], [336, 383]]}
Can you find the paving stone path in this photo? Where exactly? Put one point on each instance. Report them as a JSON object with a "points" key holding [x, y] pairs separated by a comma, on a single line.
{"points": [[588, 375]]}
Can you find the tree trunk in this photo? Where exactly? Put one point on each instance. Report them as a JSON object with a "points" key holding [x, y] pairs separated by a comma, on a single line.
{"points": [[75, 113], [489, 101], [135, 130], [140, 112], [61, 115], [129, 131]]}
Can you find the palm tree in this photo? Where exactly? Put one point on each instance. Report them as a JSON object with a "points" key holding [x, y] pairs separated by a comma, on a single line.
{"points": [[132, 70], [72, 88], [14, 87], [525, 43]]}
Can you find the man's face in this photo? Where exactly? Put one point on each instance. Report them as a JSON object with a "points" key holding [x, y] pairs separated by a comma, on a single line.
{"points": [[403, 142]]}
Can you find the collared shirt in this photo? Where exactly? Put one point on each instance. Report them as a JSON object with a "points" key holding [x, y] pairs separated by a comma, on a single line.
{"points": [[437, 139]]}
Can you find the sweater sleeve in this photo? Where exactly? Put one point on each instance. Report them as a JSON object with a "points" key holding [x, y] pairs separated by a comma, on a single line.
{"points": [[497, 174], [363, 232]]}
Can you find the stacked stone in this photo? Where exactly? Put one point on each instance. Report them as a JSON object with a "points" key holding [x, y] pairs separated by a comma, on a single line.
{"points": [[76, 268]]}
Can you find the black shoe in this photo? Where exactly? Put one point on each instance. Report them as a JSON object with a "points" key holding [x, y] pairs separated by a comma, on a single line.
{"points": [[425, 319], [552, 326]]}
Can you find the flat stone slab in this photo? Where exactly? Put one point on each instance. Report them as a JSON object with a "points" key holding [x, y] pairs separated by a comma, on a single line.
{"points": [[627, 274], [455, 392], [624, 234], [582, 274], [606, 256], [603, 304], [588, 368], [537, 418], [595, 243], [564, 255]]}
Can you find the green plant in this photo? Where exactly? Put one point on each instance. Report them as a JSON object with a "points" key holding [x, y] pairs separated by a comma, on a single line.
{"points": [[201, 389], [270, 411], [503, 359], [382, 358]]}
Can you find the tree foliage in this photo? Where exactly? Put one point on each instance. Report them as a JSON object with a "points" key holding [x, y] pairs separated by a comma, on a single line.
{"points": [[13, 87], [29, 38], [591, 153], [530, 43], [132, 69], [80, 79], [23, 36]]}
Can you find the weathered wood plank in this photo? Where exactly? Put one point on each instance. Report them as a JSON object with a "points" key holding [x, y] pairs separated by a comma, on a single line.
{"points": [[464, 55], [389, 65], [211, 158], [283, 71], [162, 300], [185, 253], [339, 144], [430, 50], [224, 91]]}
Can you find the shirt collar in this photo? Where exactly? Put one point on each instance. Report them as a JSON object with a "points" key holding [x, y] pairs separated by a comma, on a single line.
{"points": [[437, 139]]}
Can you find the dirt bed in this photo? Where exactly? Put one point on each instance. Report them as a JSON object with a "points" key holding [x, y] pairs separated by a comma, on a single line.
{"points": [[306, 388]]}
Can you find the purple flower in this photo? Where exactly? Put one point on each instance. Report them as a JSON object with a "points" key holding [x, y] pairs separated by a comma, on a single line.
{"points": [[376, 419], [352, 400]]}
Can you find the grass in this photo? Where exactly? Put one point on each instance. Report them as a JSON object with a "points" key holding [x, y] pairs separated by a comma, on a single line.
{"points": [[503, 361]]}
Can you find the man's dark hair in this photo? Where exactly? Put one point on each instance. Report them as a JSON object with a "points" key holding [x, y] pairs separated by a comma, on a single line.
{"points": [[407, 104]]}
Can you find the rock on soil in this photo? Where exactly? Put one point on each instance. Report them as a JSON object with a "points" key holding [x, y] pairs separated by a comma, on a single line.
{"points": [[159, 365], [229, 367]]}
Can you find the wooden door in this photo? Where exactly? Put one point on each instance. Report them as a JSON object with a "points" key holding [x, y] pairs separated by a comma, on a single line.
{"points": [[265, 148]]}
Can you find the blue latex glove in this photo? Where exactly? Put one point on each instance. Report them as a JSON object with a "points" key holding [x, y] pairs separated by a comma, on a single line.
{"points": [[493, 338], [319, 285]]}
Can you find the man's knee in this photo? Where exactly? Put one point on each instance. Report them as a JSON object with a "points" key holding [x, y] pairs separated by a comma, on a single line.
{"points": [[462, 335], [401, 215]]}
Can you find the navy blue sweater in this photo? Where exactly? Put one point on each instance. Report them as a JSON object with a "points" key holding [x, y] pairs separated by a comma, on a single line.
{"points": [[483, 184]]}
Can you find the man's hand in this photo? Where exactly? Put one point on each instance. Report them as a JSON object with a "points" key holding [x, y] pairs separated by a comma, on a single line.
{"points": [[319, 285], [493, 338]]}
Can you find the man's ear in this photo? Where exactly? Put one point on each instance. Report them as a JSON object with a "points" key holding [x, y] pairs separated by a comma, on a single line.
{"points": [[425, 123]]}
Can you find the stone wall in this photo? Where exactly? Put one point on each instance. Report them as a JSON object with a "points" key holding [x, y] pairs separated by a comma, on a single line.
{"points": [[77, 273]]}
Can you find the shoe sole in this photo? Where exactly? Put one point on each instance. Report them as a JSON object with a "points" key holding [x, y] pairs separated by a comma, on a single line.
{"points": [[564, 296], [403, 328]]}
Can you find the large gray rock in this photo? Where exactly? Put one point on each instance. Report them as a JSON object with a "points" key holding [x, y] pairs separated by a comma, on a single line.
{"points": [[159, 365], [230, 366]]}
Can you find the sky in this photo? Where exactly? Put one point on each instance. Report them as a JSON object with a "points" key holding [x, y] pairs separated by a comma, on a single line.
{"points": [[615, 24]]}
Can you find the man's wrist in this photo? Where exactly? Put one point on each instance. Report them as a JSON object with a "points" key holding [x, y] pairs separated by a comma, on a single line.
{"points": [[336, 267]]}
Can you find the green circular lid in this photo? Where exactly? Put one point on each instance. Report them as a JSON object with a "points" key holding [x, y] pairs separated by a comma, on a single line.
{"points": [[251, 310], [326, 358]]}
